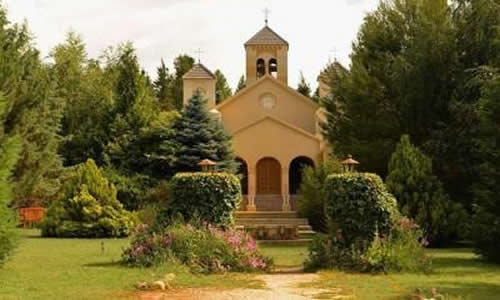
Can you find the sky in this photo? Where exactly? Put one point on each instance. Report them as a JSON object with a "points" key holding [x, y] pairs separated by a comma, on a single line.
{"points": [[317, 31]]}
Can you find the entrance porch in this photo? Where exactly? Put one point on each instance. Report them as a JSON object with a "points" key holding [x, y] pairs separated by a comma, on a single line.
{"points": [[271, 185]]}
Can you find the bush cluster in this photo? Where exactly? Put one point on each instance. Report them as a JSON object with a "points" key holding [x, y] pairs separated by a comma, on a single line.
{"points": [[87, 207], [204, 249], [367, 233], [359, 207], [211, 197]]}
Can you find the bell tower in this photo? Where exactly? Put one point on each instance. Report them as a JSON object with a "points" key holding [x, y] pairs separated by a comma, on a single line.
{"points": [[267, 53]]}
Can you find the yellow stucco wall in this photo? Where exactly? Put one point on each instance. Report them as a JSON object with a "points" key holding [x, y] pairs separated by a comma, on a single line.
{"points": [[247, 107], [207, 86]]}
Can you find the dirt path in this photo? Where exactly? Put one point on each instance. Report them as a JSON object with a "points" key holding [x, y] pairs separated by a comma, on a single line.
{"points": [[278, 287]]}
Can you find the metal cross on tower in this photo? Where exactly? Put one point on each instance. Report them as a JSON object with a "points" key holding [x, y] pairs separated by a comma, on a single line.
{"points": [[266, 11], [199, 52]]}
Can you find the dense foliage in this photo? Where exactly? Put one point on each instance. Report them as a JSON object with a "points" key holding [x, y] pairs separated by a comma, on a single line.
{"points": [[313, 194], [10, 147], [360, 207], [211, 197], [222, 89], [420, 194], [204, 249], [87, 207], [31, 110], [200, 136], [486, 222], [367, 232], [304, 88]]}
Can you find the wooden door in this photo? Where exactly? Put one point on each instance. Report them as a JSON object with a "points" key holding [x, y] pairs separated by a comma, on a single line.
{"points": [[268, 177]]}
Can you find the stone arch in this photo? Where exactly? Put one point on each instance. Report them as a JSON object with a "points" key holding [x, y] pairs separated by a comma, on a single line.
{"points": [[243, 172], [273, 67], [295, 172], [268, 176], [261, 68]]}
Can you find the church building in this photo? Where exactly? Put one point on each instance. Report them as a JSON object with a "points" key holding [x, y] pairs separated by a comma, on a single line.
{"points": [[275, 129]]}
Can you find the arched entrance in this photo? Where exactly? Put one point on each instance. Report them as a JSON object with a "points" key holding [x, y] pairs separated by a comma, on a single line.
{"points": [[295, 172], [243, 173], [268, 196], [268, 177]]}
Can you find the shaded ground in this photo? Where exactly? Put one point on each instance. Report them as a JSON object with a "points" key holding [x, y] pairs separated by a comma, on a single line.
{"points": [[278, 287]]}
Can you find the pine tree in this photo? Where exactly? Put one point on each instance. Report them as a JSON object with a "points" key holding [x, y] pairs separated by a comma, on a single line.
{"points": [[222, 89], [420, 194], [10, 146], [303, 86], [161, 86], [199, 136], [33, 112], [241, 84]]}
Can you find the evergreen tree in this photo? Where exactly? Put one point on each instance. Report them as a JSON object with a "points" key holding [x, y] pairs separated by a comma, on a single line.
{"points": [[199, 136], [304, 87], [241, 84], [10, 147], [32, 112], [400, 81], [161, 86], [182, 64], [486, 225], [420, 194], [222, 89]]}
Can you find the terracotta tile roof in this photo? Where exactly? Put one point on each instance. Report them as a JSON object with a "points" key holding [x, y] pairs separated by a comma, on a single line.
{"points": [[199, 71], [266, 36]]}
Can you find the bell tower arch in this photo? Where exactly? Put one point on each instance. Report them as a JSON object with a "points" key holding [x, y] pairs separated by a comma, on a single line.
{"points": [[266, 53]]}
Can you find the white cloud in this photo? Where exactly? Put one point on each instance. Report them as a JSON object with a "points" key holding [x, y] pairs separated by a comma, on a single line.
{"points": [[164, 29]]}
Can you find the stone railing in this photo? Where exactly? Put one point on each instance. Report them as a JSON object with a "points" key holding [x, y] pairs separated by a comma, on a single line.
{"points": [[293, 202], [269, 202]]}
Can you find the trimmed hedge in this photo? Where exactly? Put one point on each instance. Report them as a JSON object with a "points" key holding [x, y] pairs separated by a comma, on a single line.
{"points": [[359, 207], [209, 197], [87, 207]]}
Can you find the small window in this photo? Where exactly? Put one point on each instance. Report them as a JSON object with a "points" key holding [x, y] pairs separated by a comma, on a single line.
{"points": [[273, 67], [261, 68]]}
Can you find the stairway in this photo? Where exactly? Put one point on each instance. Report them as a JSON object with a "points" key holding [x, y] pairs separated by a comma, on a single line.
{"points": [[274, 225]]}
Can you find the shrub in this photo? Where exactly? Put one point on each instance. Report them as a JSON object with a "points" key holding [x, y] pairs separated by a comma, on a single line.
{"points": [[211, 197], [402, 250], [313, 194], [130, 189], [359, 207], [421, 196], [204, 249], [87, 207]]}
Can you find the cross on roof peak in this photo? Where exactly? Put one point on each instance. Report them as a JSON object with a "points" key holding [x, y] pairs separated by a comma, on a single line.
{"points": [[267, 12], [199, 52]]}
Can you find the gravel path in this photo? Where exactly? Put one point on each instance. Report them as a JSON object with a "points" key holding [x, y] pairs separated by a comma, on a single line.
{"points": [[278, 287]]}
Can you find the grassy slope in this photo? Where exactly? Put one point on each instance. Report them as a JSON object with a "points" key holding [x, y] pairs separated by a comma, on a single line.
{"points": [[458, 273], [78, 269]]}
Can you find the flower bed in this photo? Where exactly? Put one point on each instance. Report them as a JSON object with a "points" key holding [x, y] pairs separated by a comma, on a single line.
{"points": [[204, 249]]}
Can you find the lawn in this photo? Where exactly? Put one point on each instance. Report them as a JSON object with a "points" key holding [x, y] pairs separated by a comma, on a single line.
{"points": [[88, 269], [285, 255], [458, 274]]}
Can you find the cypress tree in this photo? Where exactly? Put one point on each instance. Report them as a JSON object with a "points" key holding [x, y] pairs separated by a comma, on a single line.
{"points": [[200, 136], [420, 194], [241, 84], [222, 89]]}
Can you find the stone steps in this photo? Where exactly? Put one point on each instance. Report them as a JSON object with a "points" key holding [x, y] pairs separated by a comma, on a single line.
{"points": [[274, 225]]}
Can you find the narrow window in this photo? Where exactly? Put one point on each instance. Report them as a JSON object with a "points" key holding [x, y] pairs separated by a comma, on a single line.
{"points": [[261, 68], [273, 67]]}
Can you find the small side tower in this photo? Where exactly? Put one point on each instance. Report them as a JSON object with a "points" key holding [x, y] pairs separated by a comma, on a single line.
{"points": [[267, 53], [199, 78]]}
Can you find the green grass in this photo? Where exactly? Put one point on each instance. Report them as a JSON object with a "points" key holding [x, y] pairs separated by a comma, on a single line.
{"points": [[79, 269], [458, 274], [284, 255]]}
